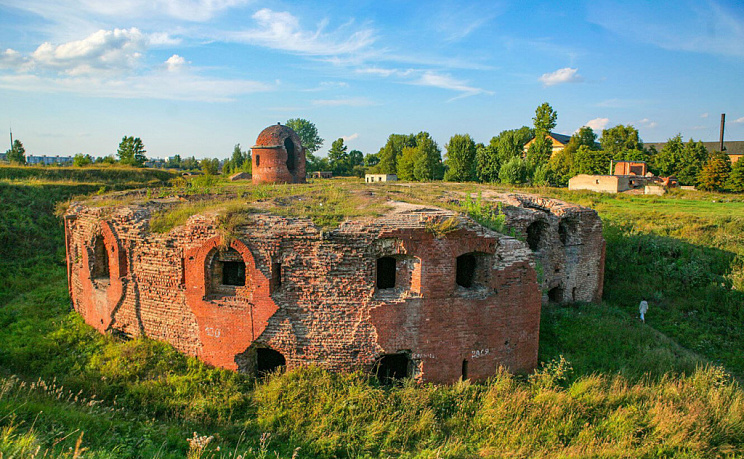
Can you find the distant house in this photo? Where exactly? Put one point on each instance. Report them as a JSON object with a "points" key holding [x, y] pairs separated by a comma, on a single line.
{"points": [[45, 160], [374, 178], [630, 168], [559, 142], [322, 174], [734, 149]]}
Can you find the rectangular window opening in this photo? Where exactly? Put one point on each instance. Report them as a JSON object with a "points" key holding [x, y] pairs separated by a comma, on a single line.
{"points": [[233, 273], [386, 272], [276, 275]]}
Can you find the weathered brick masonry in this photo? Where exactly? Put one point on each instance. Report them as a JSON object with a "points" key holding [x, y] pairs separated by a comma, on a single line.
{"points": [[376, 290]]}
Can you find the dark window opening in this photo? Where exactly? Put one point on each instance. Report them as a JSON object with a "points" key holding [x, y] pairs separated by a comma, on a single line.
{"points": [[385, 272], [535, 234], [290, 147], [269, 361], [573, 294], [276, 275], [233, 273], [465, 272], [566, 229], [464, 370], [258, 160], [555, 295], [392, 367], [100, 268]]}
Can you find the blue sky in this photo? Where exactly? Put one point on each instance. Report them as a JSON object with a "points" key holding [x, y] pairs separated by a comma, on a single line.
{"points": [[194, 77]]}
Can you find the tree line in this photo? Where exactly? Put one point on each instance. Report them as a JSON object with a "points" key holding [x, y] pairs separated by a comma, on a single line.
{"points": [[515, 156]]}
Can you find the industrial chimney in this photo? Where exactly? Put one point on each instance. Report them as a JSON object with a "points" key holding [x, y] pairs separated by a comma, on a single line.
{"points": [[723, 123]]}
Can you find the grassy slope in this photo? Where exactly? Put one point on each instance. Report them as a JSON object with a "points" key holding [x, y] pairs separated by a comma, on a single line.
{"points": [[141, 398]]}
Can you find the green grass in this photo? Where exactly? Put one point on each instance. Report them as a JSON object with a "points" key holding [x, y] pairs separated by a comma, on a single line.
{"points": [[611, 386]]}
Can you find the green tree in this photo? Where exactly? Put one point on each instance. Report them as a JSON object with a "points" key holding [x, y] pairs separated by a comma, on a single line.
{"points": [[391, 152], [356, 163], [131, 151], [189, 164], [428, 164], [338, 158], [406, 164], [715, 173], [308, 134], [617, 139], [17, 153], [585, 136], [539, 151], [80, 160], [561, 164], [669, 159], [240, 161], [210, 166], [174, 162], [592, 162], [487, 162], [514, 171], [694, 158], [736, 177], [545, 119], [507, 145], [460, 161], [371, 159]]}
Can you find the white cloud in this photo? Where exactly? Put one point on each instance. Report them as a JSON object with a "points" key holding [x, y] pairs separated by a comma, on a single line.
{"points": [[108, 63], [560, 76], [350, 102], [187, 10], [103, 51], [702, 27], [597, 124], [175, 63], [164, 85], [437, 80], [282, 30], [376, 71], [10, 58], [647, 123], [704, 115], [350, 137], [740, 120]]}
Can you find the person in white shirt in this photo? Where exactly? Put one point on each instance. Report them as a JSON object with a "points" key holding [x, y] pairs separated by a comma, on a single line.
{"points": [[643, 309]]}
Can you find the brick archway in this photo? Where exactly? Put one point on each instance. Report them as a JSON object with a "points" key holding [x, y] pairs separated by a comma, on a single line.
{"points": [[102, 295], [228, 325]]}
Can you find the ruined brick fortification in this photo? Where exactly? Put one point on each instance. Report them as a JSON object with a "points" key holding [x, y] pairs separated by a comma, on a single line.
{"points": [[386, 291], [278, 156]]}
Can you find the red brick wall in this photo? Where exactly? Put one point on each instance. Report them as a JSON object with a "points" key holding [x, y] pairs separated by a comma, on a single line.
{"points": [[326, 309]]}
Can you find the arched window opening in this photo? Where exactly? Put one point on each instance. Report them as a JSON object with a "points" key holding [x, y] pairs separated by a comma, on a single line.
{"points": [[386, 273], [465, 272], [536, 234], [258, 160], [290, 147], [464, 369], [100, 267], [555, 295], [269, 361], [227, 271], [566, 231], [393, 367]]}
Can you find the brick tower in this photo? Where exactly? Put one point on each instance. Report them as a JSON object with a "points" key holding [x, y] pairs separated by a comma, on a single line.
{"points": [[278, 156]]}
